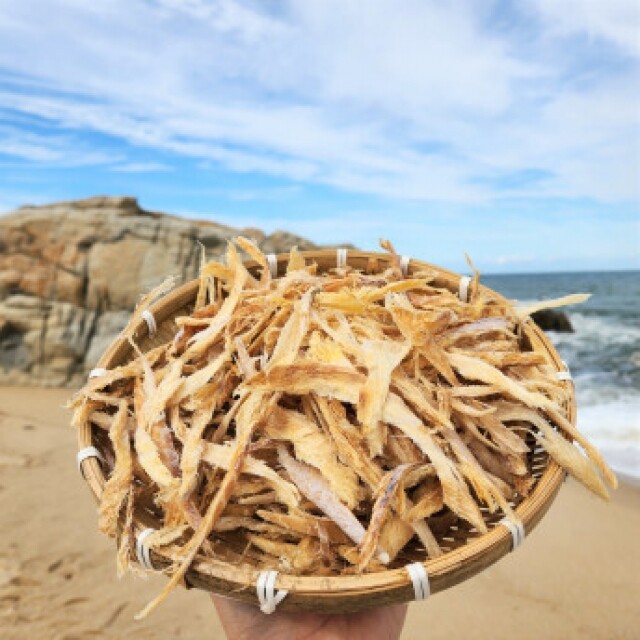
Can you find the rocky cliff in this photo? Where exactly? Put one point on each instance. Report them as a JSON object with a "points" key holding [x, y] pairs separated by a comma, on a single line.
{"points": [[71, 272]]}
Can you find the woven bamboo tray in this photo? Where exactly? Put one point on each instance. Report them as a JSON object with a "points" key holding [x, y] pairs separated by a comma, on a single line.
{"points": [[466, 551]]}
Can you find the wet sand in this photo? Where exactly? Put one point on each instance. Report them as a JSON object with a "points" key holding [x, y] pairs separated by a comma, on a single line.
{"points": [[577, 576]]}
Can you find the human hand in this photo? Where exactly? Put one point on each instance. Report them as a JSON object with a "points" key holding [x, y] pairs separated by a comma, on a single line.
{"points": [[246, 622]]}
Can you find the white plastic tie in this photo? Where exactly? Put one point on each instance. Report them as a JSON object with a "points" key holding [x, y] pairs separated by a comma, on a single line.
{"points": [[150, 320], [463, 288], [87, 452], [267, 595], [420, 580], [143, 551], [516, 529], [97, 372], [341, 258], [404, 265], [564, 375], [273, 264]]}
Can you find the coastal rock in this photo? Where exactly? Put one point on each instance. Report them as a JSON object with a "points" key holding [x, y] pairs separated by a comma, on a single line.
{"points": [[71, 272], [553, 320]]}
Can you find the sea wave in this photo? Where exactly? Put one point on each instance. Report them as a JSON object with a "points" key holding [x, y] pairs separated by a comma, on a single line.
{"points": [[597, 330], [604, 355], [614, 428]]}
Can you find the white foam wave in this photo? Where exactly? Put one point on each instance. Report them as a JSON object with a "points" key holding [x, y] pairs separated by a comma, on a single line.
{"points": [[593, 389], [614, 428], [597, 330]]}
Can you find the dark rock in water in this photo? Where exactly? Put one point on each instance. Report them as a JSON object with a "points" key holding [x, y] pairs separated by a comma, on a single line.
{"points": [[552, 320], [71, 272]]}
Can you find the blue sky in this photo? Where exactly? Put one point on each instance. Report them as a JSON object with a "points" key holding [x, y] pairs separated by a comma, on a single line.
{"points": [[509, 130]]}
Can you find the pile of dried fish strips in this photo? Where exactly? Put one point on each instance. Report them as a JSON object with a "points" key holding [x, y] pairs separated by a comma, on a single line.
{"points": [[327, 424]]}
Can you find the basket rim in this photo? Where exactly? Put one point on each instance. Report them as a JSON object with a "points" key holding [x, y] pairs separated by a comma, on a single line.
{"points": [[341, 593]]}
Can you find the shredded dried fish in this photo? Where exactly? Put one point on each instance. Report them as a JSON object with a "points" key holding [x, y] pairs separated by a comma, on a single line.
{"points": [[303, 421]]}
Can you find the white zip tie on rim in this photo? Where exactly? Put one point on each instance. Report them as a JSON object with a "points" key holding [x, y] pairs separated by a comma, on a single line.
{"points": [[150, 320], [341, 258], [87, 452], [273, 264], [463, 288], [420, 580], [142, 549], [404, 265], [97, 372], [265, 588], [564, 375], [516, 529]]}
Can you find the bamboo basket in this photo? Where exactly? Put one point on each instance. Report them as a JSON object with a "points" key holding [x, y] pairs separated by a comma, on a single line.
{"points": [[467, 552]]}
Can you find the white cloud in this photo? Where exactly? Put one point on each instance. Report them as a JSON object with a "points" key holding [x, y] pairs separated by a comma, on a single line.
{"points": [[616, 21], [12, 199], [142, 167], [508, 260], [50, 150], [420, 102]]}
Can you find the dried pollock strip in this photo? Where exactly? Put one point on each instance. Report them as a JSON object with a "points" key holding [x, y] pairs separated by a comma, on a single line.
{"points": [[380, 357], [117, 487], [391, 483], [306, 524], [526, 310], [562, 451], [248, 419], [202, 340], [456, 493], [292, 334], [221, 455]]}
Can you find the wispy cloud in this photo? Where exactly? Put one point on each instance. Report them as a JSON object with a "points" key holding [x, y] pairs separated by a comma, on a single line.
{"points": [[142, 167], [336, 93], [50, 150], [613, 22], [422, 105]]}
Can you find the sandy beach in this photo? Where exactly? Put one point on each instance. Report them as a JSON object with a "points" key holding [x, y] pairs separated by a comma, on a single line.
{"points": [[577, 576]]}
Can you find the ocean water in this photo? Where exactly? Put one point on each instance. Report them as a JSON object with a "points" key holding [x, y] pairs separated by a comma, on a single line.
{"points": [[603, 353]]}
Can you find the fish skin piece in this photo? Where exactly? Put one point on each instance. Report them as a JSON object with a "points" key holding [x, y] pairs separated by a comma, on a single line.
{"points": [[313, 446], [316, 488]]}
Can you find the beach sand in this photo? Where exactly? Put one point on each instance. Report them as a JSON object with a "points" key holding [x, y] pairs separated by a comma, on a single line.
{"points": [[577, 576]]}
